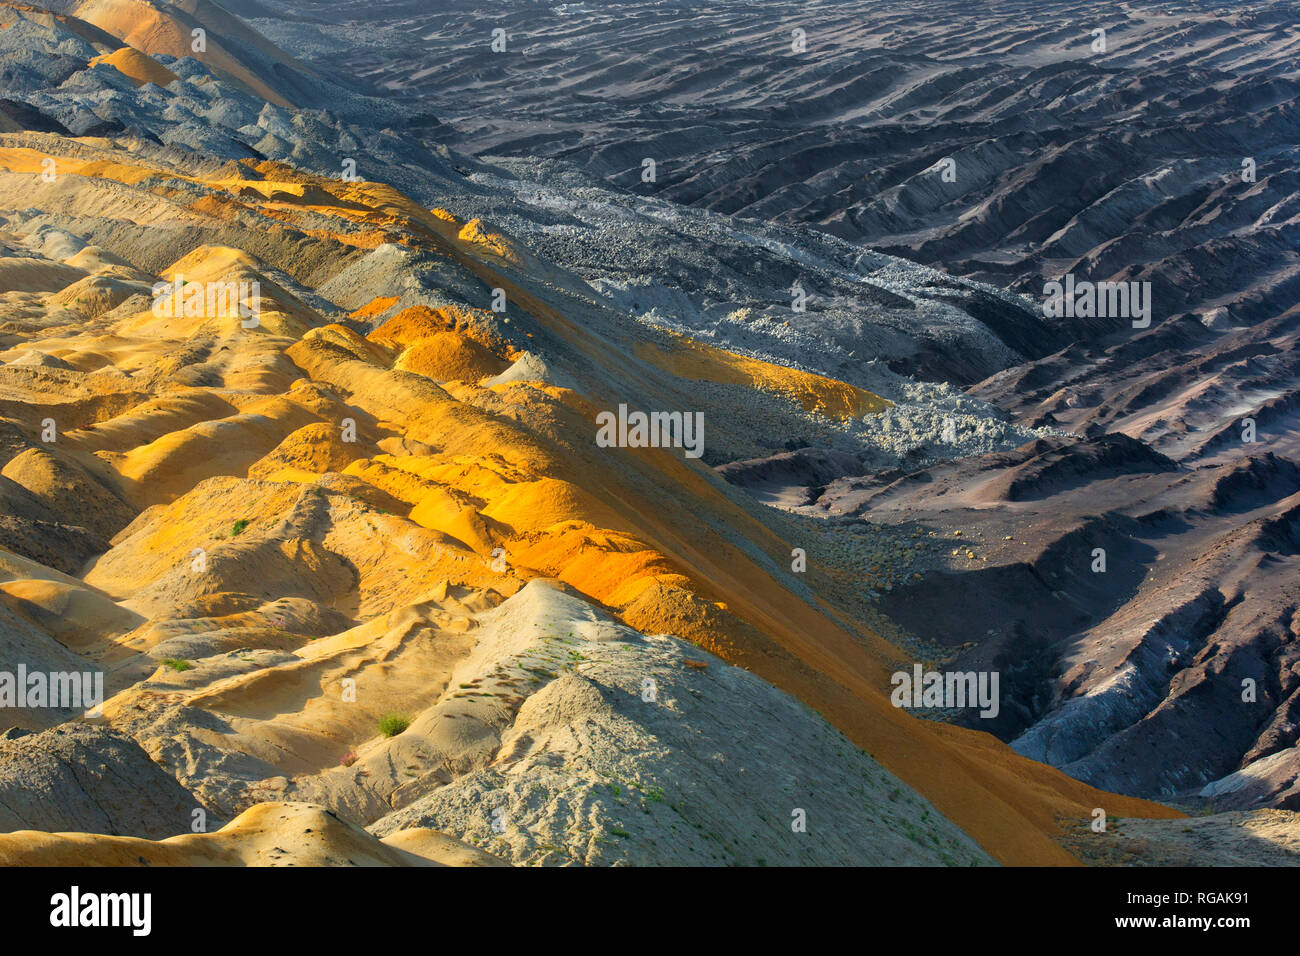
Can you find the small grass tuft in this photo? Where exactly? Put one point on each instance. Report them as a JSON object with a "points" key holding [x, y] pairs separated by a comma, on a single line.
{"points": [[393, 724], [177, 664]]}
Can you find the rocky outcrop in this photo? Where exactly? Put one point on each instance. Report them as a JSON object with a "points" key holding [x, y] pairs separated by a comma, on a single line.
{"points": [[90, 779]]}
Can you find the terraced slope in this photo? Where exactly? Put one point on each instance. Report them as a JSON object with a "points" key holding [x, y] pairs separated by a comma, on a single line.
{"points": [[1120, 156]]}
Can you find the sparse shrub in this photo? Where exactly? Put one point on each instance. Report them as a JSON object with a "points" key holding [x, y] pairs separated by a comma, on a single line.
{"points": [[393, 724], [177, 665], [239, 526]]}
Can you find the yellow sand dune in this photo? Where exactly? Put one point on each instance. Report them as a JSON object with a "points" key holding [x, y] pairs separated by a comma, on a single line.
{"points": [[140, 68], [310, 451], [221, 291], [413, 325], [270, 834], [448, 356], [167, 467], [688, 358], [24, 159]]}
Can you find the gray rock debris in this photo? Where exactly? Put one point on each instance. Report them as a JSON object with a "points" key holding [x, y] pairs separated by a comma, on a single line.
{"points": [[87, 779]]}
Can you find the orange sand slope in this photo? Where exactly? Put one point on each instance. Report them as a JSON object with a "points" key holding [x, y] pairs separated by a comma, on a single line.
{"points": [[301, 485]]}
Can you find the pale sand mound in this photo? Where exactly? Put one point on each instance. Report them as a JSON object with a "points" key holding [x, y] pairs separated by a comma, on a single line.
{"points": [[36, 275], [716, 767], [449, 851], [528, 368], [287, 720], [97, 260], [68, 491], [140, 68], [95, 295], [32, 357], [270, 834], [74, 615]]}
